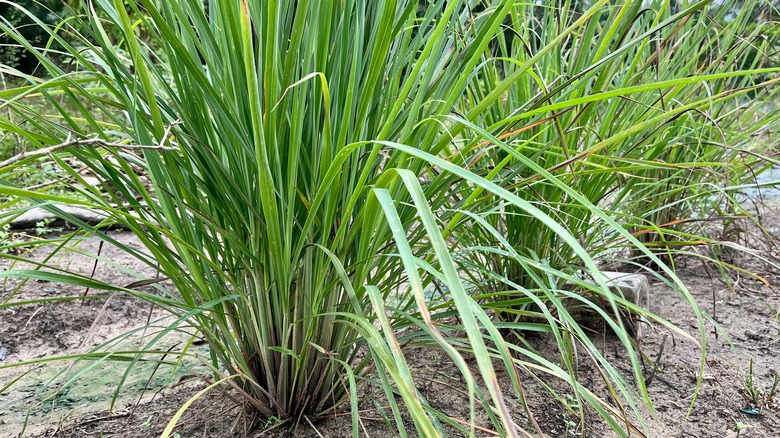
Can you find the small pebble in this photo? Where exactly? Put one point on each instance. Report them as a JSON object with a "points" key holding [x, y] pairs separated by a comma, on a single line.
{"points": [[3, 353]]}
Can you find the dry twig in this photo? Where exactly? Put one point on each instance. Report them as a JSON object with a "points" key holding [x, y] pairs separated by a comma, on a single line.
{"points": [[91, 142]]}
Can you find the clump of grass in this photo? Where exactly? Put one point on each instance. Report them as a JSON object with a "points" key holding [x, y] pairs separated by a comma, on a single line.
{"points": [[273, 180], [642, 117], [757, 397]]}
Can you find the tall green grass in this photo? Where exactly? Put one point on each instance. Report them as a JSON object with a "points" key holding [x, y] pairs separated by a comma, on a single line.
{"points": [[641, 113], [609, 114], [313, 167]]}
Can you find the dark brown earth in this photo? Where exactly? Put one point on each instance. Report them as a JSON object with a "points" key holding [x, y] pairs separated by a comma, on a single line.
{"points": [[746, 310]]}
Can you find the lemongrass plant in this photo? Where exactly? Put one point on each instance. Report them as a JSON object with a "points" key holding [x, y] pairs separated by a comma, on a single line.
{"points": [[267, 129], [640, 113], [311, 163]]}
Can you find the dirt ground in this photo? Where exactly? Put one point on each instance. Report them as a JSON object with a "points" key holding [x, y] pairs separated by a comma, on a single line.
{"points": [[38, 404]]}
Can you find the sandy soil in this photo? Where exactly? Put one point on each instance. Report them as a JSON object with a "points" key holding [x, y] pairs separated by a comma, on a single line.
{"points": [[746, 311]]}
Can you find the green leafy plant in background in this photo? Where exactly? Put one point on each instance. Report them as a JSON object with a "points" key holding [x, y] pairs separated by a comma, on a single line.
{"points": [[706, 151], [639, 120], [46, 11], [643, 118], [313, 167]]}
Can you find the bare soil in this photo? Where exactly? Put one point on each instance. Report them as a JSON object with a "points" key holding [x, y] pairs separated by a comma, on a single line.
{"points": [[40, 404]]}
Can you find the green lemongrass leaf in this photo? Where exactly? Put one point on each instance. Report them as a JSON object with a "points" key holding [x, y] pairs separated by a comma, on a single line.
{"points": [[353, 397], [415, 283], [466, 305], [53, 277], [12, 382], [177, 416], [627, 91], [7, 304], [403, 376], [120, 356]]}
